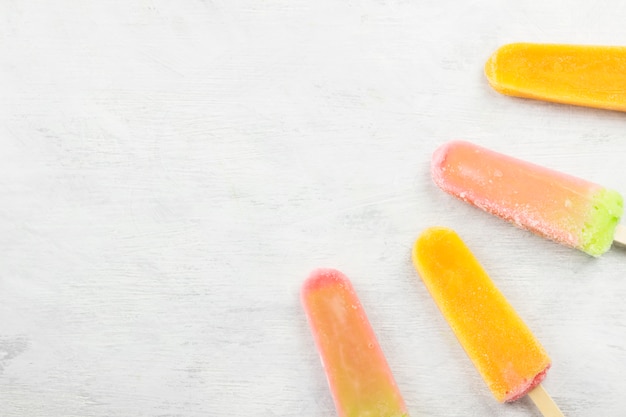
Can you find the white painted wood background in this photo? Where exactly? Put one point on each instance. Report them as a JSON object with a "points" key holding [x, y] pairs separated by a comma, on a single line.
{"points": [[170, 172]]}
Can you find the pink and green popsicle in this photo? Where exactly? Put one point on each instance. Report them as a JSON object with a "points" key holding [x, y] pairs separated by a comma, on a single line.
{"points": [[358, 374], [566, 209]]}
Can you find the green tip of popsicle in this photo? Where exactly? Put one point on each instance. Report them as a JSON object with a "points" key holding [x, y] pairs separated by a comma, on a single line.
{"points": [[597, 235]]}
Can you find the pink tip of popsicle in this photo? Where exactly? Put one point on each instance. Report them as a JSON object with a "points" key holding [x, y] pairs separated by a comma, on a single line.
{"points": [[516, 395], [320, 278]]}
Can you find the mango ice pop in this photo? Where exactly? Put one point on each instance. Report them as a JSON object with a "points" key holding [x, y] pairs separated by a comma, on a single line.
{"points": [[358, 374], [593, 76], [558, 206], [501, 346]]}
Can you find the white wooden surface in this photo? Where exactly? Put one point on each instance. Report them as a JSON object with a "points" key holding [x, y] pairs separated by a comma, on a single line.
{"points": [[170, 172]]}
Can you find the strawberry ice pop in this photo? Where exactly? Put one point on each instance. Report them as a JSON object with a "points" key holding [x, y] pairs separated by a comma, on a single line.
{"points": [[358, 374], [593, 76], [561, 207], [506, 353]]}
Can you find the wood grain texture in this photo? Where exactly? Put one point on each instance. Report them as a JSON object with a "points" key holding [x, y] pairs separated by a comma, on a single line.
{"points": [[544, 402], [170, 172]]}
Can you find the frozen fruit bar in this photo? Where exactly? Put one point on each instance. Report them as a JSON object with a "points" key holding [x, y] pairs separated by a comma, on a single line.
{"points": [[358, 374], [506, 353], [569, 210], [593, 76]]}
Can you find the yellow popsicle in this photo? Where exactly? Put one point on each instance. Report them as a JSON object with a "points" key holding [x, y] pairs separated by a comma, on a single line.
{"points": [[593, 76], [503, 349]]}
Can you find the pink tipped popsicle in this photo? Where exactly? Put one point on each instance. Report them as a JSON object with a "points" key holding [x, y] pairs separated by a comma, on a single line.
{"points": [[358, 374], [510, 359], [566, 209]]}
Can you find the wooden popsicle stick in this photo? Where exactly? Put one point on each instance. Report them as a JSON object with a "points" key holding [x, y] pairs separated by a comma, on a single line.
{"points": [[620, 235], [544, 402]]}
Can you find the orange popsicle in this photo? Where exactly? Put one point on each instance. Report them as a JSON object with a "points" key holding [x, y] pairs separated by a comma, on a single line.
{"points": [[358, 374], [566, 209], [506, 353], [593, 76]]}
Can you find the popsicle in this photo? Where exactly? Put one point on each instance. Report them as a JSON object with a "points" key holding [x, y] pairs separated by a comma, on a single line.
{"points": [[359, 377], [503, 349], [593, 76], [566, 209]]}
